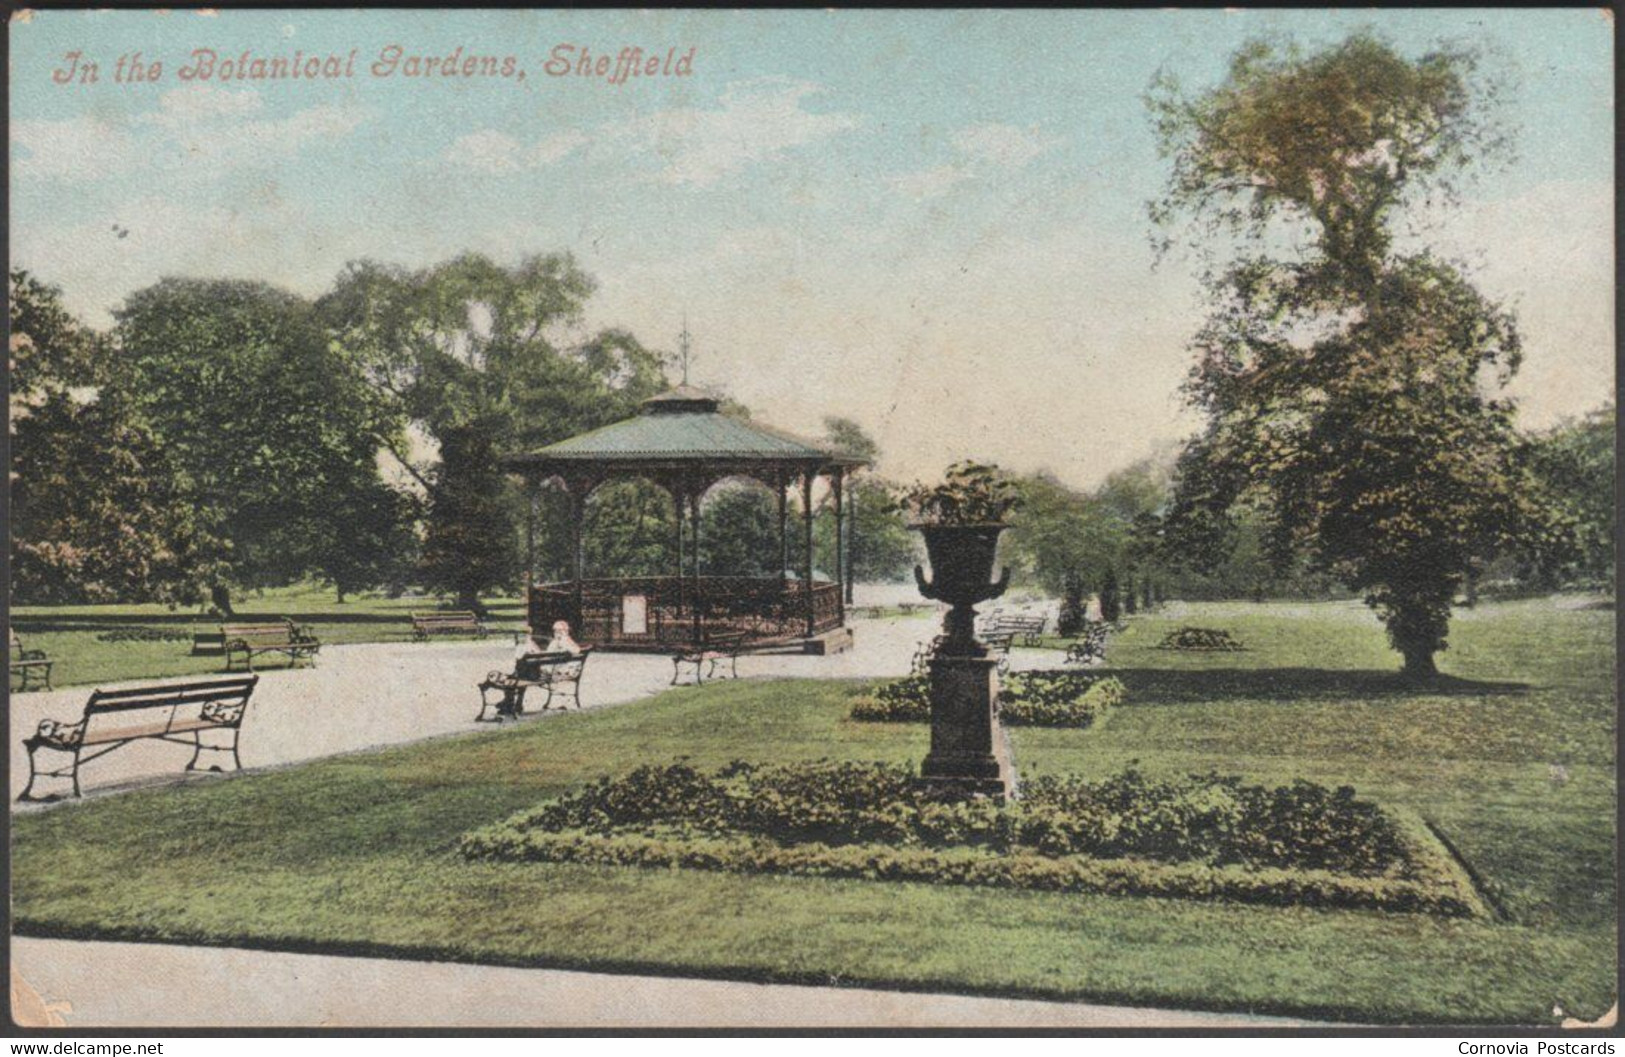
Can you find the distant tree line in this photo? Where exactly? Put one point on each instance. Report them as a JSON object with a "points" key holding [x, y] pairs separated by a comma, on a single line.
{"points": [[226, 436]]}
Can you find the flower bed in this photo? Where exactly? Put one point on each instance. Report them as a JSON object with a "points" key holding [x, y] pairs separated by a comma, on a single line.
{"points": [[1200, 640], [1203, 836], [1054, 698]]}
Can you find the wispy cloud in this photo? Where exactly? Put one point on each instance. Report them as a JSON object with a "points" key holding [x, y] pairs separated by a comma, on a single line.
{"points": [[201, 130], [930, 183], [981, 150], [1003, 146], [77, 148], [492, 152], [754, 122], [181, 106]]}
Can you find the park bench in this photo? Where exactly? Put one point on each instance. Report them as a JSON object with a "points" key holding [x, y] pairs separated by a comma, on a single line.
{"points": [[1030, 628], [27, 665], [450, 622], [557, 673], [713, 649], [1090, 646], [176, 712], [998, 645], [281, 636]]}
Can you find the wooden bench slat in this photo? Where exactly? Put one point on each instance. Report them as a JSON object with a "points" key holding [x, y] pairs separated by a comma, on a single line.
{"points": [[149, 730]]}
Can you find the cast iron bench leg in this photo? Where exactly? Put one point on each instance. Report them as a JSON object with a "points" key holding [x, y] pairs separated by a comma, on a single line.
{"points": [[33, 772]]}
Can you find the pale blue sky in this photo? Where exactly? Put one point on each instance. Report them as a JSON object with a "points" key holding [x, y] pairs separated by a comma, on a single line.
{"points": [[930, 221]]}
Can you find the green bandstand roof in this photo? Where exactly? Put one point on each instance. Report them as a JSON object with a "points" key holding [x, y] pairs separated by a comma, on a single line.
{"points": [[681, 429]]}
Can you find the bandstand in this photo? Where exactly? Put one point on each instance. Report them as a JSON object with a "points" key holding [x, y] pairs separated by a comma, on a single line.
{"points": [[682, 441]]}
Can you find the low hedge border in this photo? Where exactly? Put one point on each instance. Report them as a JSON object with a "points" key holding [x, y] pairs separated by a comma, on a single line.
{"points": [[1036, 698], [1439, 884]]}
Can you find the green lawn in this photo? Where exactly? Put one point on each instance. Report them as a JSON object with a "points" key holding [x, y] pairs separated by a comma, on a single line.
{"points": [[73, 635], [357, 854]]}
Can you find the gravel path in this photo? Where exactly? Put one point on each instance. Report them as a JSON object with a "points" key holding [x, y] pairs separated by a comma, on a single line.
{"points": [[148, 985]]}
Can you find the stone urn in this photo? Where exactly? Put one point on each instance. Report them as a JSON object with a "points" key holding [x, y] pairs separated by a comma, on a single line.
{"points": [[968, 754]]}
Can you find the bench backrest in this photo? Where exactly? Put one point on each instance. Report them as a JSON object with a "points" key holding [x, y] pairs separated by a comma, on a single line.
{"points": [[280, 632], [530, 664], [217, 692], [445, 620]]}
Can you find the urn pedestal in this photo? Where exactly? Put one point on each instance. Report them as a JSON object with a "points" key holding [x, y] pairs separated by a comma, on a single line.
{"points": [[968, 754]]}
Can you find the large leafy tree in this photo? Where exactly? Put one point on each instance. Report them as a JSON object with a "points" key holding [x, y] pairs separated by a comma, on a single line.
{"points": [[881, 548], [99, 512], [477, 356], [740, 531], [268, 422], [1350, 389], [1575, 462]]}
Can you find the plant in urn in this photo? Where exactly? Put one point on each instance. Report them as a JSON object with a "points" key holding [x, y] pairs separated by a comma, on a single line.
{"points": [[961, 519]]}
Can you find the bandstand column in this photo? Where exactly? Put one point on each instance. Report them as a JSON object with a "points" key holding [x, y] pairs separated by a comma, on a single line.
{"points": [[578, 550], [840, 544], [784, 528], [531, 500], [679, 500], [807, 565], [699, 588], [851, 532]]}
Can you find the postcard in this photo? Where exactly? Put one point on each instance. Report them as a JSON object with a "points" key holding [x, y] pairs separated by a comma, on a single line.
{"points": [[781, 519]]}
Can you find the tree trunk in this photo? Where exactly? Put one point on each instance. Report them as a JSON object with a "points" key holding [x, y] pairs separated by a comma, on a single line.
{"points": [[221, 597], [471, 603], [1419, 662]]}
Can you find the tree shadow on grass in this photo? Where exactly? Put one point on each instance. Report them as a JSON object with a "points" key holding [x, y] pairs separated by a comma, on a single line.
{"points": [[68, 622], [1168, 685]]}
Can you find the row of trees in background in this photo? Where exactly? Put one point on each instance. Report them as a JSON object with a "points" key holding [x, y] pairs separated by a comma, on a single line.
{"points": [[227, 436]]}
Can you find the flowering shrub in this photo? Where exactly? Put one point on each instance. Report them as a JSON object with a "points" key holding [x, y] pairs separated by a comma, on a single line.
{"points": [[1204, 836], [1209, 640], [970, 494], [1206, 818], [1055, 698]]}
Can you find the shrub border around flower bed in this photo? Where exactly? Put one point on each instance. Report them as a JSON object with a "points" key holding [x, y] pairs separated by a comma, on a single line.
{"points": [[1088, 710], [1442, 885]]}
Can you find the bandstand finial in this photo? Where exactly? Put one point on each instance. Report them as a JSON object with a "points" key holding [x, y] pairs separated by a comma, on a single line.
{"points": [[683, 340]]}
